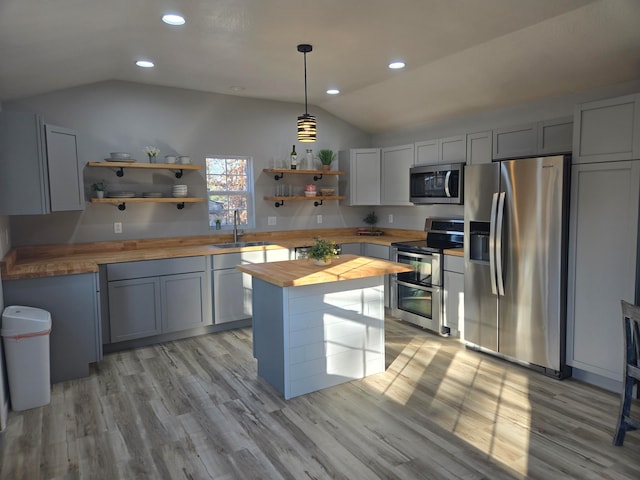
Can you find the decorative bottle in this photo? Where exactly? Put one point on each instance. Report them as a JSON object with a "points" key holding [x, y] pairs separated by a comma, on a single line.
{"points": [[294, 158]]}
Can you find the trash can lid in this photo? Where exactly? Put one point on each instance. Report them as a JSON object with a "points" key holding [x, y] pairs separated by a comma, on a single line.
{"points": [[18, 320]]}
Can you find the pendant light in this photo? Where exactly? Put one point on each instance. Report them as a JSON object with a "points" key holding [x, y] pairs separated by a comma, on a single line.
{"points": [[306, 123]]}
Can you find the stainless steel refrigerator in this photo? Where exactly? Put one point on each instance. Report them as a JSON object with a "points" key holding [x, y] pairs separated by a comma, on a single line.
{"points": [[515, 234]]}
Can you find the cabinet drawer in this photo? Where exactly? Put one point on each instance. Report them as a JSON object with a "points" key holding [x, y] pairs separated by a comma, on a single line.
{"points": [[376, 251], [453, 263], [155, 268]]}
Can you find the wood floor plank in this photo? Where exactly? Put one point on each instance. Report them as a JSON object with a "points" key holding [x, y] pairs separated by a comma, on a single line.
{"points": [[195, 408]]}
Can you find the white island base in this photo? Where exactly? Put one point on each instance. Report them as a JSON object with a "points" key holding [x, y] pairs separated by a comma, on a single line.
{"points": [[306, 338]]}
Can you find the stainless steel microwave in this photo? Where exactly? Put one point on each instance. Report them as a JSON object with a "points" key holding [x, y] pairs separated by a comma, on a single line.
{"points": [[437, 183]]}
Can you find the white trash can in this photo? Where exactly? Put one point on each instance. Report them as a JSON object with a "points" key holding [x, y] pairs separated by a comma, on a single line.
{"points": [[25, 332]]}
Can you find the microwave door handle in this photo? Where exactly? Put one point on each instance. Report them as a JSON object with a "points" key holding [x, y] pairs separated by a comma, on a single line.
{"points": [[492, 244], [447, 178], [500, 226]]}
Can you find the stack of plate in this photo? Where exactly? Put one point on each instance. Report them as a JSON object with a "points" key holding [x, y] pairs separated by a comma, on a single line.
{"points": [[152, 195], [121, 194], [120, 157], [179, 191]]}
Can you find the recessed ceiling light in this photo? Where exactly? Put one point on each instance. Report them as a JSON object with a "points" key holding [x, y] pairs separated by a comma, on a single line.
{"points": [[396, 65], [173, 19], [333, 91], [145, 64]]}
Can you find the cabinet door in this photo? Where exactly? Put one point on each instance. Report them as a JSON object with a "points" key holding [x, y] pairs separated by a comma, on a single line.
{"points": [[351, 248], [479, 147], [184, 301], [134, 308], [607, 130], [72, 301], [231, 295], [555, 136], [24, 185], [66, 185], [362, 176], [396, 162], [517, 141], [452, 149], [602, 263], [453, 300], [426, 153]]}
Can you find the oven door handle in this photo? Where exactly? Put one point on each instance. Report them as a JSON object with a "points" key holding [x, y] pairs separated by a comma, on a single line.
{"points": [[500, 226], [417, 286], [492, 243], [447, 179]]}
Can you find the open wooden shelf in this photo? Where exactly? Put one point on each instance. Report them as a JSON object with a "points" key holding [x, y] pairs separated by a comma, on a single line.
{"points": [[317, 174], [122, 202], [318, 200], [178, 168]]}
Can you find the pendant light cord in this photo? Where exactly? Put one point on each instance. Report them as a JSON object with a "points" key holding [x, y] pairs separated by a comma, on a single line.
{"points": [[305, 83]]}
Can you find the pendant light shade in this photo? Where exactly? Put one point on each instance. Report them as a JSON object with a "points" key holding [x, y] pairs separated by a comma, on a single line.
{"points": [[307, 126]]}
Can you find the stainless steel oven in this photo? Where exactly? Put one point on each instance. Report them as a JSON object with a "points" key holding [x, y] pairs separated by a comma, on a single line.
{"points": [[417, 296]]}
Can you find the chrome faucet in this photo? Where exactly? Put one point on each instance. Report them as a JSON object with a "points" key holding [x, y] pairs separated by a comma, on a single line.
{"points": [[235, 226]]}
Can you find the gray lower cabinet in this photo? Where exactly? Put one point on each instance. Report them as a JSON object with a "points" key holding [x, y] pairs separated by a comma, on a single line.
{"points": [[74, 304], [453, 287], [154, 297], [232, 290], [607, 130], [602, 265], [40, 168], [380, 251], [351, 248]]}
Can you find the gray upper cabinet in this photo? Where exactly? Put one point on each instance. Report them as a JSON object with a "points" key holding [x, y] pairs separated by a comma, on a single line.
{"points": [[441, 151], [607, 130], [516, 141], [396, 162], [555, 136], [361, 182], [40, 169], [479, 147], [537, 138]]}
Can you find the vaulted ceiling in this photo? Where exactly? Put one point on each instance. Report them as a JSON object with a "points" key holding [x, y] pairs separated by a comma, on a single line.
{"points": [[462, 56]]}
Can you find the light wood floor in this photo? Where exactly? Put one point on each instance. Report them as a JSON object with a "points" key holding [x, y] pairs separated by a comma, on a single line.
{"points": [[195, 409]]}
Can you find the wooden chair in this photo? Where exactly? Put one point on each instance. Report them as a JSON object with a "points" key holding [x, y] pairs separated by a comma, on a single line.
{"points": [[631, 324]]}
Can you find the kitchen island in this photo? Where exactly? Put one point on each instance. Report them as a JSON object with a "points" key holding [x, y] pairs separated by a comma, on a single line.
{"points": [[318, 326]]}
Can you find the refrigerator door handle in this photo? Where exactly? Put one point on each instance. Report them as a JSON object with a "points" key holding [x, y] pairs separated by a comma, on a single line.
{"points": [[447, 178], [499, 226], [492, 244]]}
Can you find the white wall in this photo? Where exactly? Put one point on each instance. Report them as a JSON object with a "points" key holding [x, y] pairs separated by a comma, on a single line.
{"points": [[121, 116]]}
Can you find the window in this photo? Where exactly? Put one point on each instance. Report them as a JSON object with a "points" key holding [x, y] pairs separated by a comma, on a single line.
{"points": [[229, 188]]}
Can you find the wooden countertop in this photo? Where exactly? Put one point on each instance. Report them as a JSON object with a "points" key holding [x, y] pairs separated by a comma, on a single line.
{"points": [[295, 273], [51, 260]]}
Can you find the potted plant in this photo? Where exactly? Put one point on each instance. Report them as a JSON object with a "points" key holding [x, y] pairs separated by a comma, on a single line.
{"points": [[99, 188], [371, 219], [152, 153], [322, 251], [326, 157]]}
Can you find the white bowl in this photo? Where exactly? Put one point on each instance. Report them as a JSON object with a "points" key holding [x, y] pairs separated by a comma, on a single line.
{"points": [[310, 194], [170, 158], [120, 155], [184, 159]]}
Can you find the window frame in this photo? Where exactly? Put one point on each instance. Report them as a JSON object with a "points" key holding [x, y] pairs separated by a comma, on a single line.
{"points": [[249, 193]]}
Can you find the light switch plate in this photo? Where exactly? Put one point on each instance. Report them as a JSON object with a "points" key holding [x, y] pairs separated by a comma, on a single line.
{"points": [[271, 220]]}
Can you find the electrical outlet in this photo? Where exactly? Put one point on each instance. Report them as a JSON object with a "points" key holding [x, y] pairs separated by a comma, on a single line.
{"points": [[271, 220], [391, 218], [319, 218], [117, 227]]}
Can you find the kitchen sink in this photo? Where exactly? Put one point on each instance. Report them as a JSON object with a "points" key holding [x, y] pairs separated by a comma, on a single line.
{"points": [[240, 244]]}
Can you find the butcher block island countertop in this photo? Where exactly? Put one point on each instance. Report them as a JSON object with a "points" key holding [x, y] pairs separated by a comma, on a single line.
{"points": [[294, 273], [68, 259]]}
